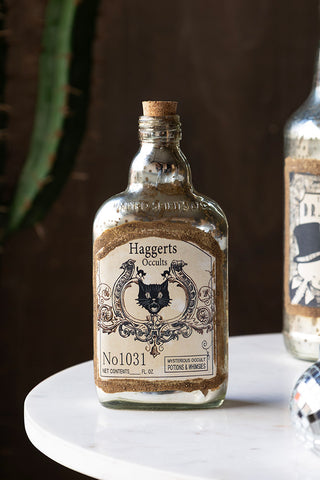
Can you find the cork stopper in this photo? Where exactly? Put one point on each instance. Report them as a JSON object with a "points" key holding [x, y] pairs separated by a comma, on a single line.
{"points": [[159, 108]]}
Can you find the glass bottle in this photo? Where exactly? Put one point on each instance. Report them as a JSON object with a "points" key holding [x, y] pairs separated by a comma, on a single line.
{"points": [[160, 281], [302, 227]]}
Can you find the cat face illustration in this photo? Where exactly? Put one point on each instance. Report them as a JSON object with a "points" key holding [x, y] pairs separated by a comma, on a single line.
{"points": [[153, 297]]}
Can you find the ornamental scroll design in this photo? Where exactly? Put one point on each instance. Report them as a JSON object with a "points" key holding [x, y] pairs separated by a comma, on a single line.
{"points": [[152, 329]]}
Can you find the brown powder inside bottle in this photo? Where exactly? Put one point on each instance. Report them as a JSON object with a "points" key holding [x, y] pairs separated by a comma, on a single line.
{"points": [[114, 237]]}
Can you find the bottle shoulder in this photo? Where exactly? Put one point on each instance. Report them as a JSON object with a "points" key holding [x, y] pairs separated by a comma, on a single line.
{"points": [[305, 121], [302, 131], [108, 214], [158, 205], [211, 207]]}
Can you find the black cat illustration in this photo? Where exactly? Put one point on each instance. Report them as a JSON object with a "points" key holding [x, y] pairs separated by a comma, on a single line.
{"points": [[153, 297]]}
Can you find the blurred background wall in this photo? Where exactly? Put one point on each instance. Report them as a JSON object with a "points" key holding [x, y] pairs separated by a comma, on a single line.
{"points": [[238, 69]]}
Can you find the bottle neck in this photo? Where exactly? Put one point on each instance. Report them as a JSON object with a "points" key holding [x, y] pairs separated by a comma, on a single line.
{"points": [[161, 131], [159, 162], [316, 77]]}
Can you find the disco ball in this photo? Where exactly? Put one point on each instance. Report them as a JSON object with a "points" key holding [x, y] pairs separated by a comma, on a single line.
{"points": [[305, 407]]}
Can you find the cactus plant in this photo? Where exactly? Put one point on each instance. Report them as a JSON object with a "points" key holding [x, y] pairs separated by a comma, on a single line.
{"points": [[63, 92]]}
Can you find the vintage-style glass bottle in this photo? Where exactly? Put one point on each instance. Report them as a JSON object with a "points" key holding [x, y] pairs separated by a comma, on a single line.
{"points": [[302, 227], [160, 281]]}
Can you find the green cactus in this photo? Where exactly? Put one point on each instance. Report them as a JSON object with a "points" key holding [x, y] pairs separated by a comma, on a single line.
{"points": [[63, 93]]}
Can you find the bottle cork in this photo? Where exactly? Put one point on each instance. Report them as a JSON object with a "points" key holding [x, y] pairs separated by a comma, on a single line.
{"points": [[159, 108]]}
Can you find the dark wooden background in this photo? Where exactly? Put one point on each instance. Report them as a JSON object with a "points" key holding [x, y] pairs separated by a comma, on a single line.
{"points": [[238, 68]]}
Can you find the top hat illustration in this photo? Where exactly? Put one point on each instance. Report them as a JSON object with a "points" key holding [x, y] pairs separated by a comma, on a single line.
{"points": [[308, 239]]}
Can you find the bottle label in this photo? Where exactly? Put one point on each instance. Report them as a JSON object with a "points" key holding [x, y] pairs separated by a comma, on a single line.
{"points": [[155, 307], [302, 237]]}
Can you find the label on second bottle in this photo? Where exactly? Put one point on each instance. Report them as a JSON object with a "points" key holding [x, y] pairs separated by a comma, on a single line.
{"points": [[302, 237]]}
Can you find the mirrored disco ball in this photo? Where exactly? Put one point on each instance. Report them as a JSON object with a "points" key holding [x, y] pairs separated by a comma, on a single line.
{"points": [[305, 407]]}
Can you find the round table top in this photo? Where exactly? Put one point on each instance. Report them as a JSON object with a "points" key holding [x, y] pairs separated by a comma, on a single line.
{"points": [[249, 437]]}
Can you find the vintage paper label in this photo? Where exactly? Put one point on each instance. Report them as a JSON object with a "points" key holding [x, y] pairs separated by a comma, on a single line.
{"points": [[302, 237], [155, 310]]}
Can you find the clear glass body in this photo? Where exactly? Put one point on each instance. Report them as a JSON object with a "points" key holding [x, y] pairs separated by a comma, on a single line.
{"points": [[160, 189], [302, 141]]}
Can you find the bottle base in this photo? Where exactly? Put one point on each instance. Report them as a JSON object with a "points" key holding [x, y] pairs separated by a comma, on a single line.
{"points": [[167, 400], [302, 346]]}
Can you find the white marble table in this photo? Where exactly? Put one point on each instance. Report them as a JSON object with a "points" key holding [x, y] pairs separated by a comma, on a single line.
{"points": [[249, 438]]}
